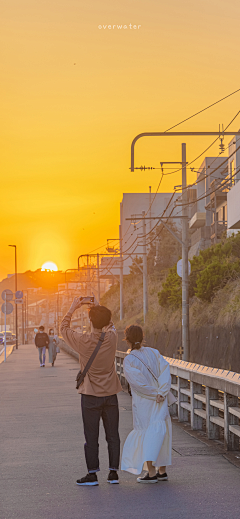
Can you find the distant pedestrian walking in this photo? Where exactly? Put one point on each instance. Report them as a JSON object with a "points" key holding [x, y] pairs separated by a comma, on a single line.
{"points": [[99, 387], [52, 347], [149, 445], [41, 342]]}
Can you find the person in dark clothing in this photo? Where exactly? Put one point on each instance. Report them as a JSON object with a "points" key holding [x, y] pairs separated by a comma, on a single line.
{"points": [[41, 342]]}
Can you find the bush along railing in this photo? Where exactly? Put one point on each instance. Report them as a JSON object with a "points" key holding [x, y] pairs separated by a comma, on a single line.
{"points": [[207, 398]]}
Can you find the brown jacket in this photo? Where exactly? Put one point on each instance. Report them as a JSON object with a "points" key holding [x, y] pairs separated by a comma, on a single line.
{"points": [[101, 379]]}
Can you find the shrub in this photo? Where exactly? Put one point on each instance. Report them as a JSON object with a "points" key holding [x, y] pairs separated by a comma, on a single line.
{"points": [[213, 277], [171, 293], [210, 271]]}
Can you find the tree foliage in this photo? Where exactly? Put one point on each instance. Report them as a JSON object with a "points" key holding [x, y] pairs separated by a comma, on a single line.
{"points": [[210, 271]]}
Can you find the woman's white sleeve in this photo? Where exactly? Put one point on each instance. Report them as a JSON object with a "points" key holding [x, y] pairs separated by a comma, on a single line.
{"points": [[164, 380], [137, 380]]}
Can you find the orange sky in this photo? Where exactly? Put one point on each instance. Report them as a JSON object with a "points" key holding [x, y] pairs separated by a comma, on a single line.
{"points": [[66, 129]]}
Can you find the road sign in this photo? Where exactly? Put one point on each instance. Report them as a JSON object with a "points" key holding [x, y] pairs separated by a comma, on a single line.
{"points": [[19, 294], [7, 295], [7, 308], [179, 268], [18, 301]]}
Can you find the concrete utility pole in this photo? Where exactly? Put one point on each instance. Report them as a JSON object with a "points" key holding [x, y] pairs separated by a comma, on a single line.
{"points": [[98, 279], [121, 275], [16, 306], [150, 208], [145, 284], [23, 327], [185, 244]]}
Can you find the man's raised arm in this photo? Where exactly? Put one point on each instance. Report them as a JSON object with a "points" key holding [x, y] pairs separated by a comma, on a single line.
{"points": [[71, 337]]}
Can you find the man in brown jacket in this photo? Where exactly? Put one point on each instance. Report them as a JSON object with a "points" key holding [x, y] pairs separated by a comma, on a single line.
{"points": [[99, 388]]}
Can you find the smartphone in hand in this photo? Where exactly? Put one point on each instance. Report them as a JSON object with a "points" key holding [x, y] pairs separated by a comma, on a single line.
{"points": [[87, 300]]}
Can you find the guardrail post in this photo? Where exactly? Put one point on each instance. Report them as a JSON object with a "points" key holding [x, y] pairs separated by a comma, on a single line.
{"points": [[212, 429], [173, 409], [182, 413], [231, 441], [196, 421]]}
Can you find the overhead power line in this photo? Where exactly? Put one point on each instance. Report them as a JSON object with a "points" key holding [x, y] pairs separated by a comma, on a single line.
{"points": [[203, 110]]}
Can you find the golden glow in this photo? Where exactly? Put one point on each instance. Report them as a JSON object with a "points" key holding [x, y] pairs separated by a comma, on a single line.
{"points": [[49, 265], [74, 97]]}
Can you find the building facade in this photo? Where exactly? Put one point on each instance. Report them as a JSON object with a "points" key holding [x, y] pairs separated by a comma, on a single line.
{"points": [[132, 224]]}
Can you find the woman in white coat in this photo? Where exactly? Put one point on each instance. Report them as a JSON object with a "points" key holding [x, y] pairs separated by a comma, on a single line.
{"points": [[149, 445]]}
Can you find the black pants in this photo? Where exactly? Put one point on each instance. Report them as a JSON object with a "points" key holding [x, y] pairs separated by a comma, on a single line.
{"points": [[94, 408]]}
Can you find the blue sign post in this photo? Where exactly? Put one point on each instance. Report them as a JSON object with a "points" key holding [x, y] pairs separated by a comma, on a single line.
{"points": [[7, 308], [19, 294]]}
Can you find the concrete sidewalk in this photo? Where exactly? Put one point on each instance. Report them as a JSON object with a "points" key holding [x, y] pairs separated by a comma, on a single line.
{"points": [[42, 455]]}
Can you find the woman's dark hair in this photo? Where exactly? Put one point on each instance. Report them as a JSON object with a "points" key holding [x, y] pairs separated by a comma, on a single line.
{"points": [[100, 316], [50, 330], [134, 335], [41, 328]]}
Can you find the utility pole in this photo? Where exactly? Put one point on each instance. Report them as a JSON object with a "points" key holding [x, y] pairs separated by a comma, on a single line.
{"points": [[98, 279], [57, 312], [23, 327], [150, 208], [185, 282], [121, 274], [145, 287], [88, 276], [16, 306], [26, 315]]}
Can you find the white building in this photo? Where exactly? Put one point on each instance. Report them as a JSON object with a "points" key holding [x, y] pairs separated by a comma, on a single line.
{"points": [[233, 196], [131, 208], [208, 215], [233, 204]]}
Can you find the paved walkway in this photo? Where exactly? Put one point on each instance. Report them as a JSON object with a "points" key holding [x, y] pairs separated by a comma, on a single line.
{"points": [[41, 443]]}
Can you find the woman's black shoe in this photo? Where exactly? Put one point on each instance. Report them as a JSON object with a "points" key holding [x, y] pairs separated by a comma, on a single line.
{"points": [[89, 480], [162, 477], [147, 479]]}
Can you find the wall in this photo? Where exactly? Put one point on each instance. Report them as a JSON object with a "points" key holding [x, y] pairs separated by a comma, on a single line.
{"points": [[211, 346]]}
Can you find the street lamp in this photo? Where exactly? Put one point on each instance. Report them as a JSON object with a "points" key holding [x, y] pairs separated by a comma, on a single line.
{"points": [[16, 314]]}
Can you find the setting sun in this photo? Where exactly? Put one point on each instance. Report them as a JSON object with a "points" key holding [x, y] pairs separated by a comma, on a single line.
{"points": [[49, 265]]}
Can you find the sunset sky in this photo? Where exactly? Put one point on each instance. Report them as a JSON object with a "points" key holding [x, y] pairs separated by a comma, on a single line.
{"points": [[73, 98]]}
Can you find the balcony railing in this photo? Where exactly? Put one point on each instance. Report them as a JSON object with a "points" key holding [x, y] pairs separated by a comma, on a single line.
{"points": [[217, 228]]}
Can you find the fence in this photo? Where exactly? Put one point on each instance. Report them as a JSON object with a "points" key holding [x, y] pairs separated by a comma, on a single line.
{"points": [[207, 398]]}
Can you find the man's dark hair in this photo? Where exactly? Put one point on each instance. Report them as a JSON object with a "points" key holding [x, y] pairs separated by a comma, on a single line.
{"points": [[100, 316], [41, 328], [134, 335]]}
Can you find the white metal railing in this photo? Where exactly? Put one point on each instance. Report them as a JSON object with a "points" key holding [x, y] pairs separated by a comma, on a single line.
{"points": [[206, 397]]}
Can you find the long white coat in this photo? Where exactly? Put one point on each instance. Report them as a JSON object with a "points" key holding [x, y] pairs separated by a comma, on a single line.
{"points": [[151, 438]]}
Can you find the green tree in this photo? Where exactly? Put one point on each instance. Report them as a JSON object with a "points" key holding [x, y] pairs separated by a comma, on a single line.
{"points": [[171, 293]]}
